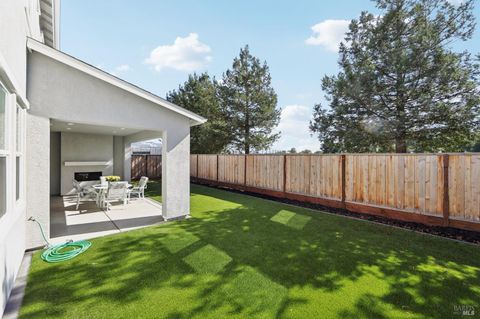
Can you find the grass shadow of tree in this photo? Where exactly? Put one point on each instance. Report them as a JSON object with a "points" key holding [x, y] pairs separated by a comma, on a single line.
{"points": [[421, 275]]}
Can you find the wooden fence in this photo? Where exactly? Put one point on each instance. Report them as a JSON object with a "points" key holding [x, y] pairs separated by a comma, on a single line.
{"points": [[433, 189], [146, 165]]}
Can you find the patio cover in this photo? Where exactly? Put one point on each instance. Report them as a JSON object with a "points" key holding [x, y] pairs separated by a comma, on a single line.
{"points": [[63, 88]]}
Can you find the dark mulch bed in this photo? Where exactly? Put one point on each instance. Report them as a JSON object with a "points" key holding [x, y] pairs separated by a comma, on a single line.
{"points": [[448, 232]]}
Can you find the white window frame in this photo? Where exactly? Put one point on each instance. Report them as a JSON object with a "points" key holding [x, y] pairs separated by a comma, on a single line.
{"points": [[6, 152], [19, 151]]}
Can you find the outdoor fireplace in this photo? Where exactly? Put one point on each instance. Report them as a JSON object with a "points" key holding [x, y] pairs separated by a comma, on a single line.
{"points": [[87, 176]]}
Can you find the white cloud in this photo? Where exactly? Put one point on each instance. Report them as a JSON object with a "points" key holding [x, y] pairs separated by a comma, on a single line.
{"points": [[185, 54], [123, 68], [329, 34], [294, 122]]}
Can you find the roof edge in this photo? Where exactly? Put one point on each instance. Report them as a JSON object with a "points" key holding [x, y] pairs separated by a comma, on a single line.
{"points": [[111, 79]]}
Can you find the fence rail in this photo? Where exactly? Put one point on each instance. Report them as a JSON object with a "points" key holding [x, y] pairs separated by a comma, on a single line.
{"points": [[434, 189]]}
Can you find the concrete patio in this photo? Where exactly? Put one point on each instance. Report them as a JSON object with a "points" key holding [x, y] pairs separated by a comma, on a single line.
{"points": [[89, 221]]}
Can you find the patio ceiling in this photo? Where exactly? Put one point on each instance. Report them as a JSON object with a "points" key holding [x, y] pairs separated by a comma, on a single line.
{"points": [[72, 127]]}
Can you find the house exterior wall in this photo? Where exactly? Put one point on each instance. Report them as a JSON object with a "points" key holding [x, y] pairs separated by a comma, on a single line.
{"points": [[12, 248], [84, 147], [13, 17], [18, 19]]}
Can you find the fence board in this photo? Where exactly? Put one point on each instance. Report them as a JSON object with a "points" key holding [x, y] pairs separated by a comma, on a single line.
{"points": [[231, 169], [265, 171], [193, 165], [146, 165], [410, 183], [464, 190], [399, 181], [207, 166]]}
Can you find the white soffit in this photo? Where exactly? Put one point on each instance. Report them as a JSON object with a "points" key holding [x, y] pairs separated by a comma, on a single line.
{"points": [[113, 80]]}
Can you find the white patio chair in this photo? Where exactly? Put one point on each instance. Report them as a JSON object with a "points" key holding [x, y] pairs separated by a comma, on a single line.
{"points": [[81, 193], [139, 190], [117, 191]]}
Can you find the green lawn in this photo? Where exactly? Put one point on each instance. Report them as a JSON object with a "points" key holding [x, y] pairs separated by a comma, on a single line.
{"points": [[245, 257], [154, 190]]}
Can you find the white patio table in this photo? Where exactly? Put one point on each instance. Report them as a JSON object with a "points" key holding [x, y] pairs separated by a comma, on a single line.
{"points": [[100, 189]]}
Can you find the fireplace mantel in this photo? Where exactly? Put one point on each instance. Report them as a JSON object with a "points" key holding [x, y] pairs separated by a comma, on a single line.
{"points": [[92, 163]]}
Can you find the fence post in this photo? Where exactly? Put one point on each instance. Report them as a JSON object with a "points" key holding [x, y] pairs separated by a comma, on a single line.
{"points": [[446, 195], [245, 169], [196, 173], [285, 173], [146, 165], [343, 169], [217, 167]]}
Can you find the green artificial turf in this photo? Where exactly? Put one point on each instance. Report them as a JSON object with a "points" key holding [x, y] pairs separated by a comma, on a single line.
{"points": [[154, 190], [245, 257]]}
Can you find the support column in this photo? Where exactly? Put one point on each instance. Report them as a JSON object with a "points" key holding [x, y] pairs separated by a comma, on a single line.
{"points": [[127, 161], [38, 178], [176, 173], [118, 156]]}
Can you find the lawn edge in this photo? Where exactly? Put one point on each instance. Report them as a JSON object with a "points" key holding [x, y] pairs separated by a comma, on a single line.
{"points": [[383, 221]]}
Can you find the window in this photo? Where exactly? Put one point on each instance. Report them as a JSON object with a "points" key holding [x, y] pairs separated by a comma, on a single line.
{"points": [[3, 152], [18, 124], [3, 185], [17, 178], [19, 148]]}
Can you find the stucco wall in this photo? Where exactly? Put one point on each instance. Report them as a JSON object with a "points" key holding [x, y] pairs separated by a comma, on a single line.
{"points": [[84, 147], [38, 177], [13, 23], [81, 98], [118, 156], [13, 53], [12, 247], [176, 173], [55, 163]]}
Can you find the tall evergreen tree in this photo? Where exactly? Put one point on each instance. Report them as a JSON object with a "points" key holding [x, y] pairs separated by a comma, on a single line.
{"points": [[199, 94], [401, 87], [251, 103]]}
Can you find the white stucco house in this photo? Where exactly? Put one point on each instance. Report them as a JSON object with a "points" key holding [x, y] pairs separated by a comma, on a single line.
{"points": [[60, 116]]}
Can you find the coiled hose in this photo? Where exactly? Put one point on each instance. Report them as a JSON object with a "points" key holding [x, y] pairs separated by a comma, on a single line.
{"points": [[62, 252]]}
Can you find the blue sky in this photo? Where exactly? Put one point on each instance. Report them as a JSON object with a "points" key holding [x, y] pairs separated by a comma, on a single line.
{"points": [[156, 44]]}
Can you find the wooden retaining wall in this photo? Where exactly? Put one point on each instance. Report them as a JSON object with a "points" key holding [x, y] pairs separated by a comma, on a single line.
{"points": [[433, 189]]}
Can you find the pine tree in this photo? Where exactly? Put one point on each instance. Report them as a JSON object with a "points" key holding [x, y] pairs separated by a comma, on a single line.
{"points": [[401, 87], [251, 103], [199, 94]]}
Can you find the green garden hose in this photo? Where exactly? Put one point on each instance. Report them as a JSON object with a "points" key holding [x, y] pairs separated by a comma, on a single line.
{"points": [[65, 251], [62, 252]]}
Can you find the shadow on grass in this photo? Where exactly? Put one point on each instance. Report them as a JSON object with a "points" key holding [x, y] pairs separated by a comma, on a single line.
{"points": [[238, 256]]}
